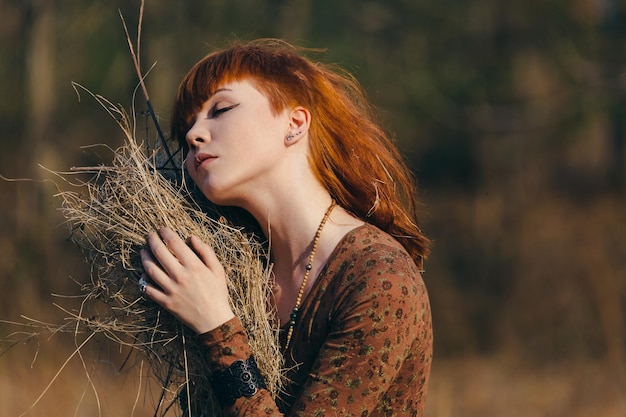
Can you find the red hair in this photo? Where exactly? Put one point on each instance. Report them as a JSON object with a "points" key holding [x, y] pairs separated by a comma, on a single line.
{"points": [[352, 156]]}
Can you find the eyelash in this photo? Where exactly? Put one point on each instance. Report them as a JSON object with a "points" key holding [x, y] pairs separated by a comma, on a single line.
{"points": [[216, 112]]}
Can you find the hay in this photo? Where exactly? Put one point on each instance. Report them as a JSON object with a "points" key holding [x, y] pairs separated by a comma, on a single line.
{"points": [[109, 219]]}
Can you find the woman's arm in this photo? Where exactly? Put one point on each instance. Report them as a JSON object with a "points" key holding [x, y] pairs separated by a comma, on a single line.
{"points": [[376, 356]]}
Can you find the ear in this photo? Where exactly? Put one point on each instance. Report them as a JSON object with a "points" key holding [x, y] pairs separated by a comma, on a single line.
{"points": [[299, 123]]}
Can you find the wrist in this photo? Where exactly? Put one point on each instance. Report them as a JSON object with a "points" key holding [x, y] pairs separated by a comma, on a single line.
{"points": [[240, 379], [215, 321], [225, 344]]}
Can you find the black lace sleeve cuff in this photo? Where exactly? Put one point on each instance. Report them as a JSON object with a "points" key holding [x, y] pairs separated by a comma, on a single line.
{"points": [[241, 379]]}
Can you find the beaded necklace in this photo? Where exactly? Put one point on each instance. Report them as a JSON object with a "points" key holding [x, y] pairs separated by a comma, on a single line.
{"points": [[294, 313]]}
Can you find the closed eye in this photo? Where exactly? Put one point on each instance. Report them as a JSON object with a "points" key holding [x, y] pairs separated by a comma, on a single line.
{"points": [[217, 112]]}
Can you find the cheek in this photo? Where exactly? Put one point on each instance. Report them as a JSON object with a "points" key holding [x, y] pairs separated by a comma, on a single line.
{"points": [[191, 168]]}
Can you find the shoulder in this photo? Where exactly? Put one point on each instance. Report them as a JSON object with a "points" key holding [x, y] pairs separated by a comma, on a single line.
{"points": [[367, 234], [367, 248], [373, 282], [369, 263]]}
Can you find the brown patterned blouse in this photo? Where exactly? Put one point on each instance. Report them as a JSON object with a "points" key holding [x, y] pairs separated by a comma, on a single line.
{"points": [[362, 345]]}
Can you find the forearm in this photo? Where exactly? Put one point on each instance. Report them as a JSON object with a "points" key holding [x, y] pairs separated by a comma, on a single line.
{"points": [[224, 346]]}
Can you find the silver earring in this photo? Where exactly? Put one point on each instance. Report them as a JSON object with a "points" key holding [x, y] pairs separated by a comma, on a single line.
{"points": [[293, 135]]}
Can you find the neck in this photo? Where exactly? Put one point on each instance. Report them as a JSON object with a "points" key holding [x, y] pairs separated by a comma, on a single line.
{"points": [[290, 216], [290, 229], [287, 276]]}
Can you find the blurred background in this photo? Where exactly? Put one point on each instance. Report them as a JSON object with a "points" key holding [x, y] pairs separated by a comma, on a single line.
{"points": [[512, 115]]}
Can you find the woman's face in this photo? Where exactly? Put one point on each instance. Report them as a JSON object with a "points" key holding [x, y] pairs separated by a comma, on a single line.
{"points": [[236, 144]]}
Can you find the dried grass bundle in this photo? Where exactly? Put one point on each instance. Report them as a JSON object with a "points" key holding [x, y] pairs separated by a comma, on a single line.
{"points": [[110, 220]]}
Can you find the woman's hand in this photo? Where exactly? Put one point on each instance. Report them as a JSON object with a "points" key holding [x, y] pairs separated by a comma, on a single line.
{"points": [[189, 282]]}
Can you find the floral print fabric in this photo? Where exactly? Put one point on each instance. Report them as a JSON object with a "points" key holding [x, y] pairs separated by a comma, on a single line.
{"points": [[362, 345]]}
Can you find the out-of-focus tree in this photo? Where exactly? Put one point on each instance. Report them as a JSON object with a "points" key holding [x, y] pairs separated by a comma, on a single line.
{"points": [[511, 115]]}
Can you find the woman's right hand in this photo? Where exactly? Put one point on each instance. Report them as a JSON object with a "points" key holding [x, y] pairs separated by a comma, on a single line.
{"points": [[189, 282]]}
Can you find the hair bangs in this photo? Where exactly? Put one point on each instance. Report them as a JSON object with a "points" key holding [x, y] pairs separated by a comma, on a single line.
{"points": [[273, 66], [197, 87]]}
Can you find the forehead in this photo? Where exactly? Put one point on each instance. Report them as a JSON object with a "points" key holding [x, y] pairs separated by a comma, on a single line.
{"points": [[200, 90], [238, 91], [237, 87]]}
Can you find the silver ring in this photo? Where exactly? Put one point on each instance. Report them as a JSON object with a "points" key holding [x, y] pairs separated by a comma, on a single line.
{"points": [[142, 284]]}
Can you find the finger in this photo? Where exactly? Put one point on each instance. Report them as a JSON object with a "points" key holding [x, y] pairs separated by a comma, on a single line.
{"points": [[204, 252], [151, 291], [145, 282], [154, 271], [158, 247], [162, 254], [177, 246]]}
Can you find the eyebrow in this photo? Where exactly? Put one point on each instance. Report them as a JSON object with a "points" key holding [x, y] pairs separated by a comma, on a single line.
{"points": [[219, 90]]}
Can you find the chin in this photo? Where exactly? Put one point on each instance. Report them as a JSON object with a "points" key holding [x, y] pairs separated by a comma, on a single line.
{"points": [[219, 197], [222, 193]]}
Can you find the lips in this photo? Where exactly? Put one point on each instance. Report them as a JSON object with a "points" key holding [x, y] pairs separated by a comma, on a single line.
{"points": [[203, 158]]}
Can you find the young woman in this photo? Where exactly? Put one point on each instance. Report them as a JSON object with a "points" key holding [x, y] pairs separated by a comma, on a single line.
{"points": [[294, 143]]}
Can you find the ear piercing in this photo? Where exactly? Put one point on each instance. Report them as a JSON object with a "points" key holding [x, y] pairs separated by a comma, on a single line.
{"points": [[293, 135]]}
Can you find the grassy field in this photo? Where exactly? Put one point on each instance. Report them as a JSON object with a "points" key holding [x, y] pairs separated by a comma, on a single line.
{"points": [[471, 387], [496, 387]]}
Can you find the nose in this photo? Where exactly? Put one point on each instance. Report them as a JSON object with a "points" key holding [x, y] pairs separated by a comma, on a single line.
{"points": [[197, 135]]}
